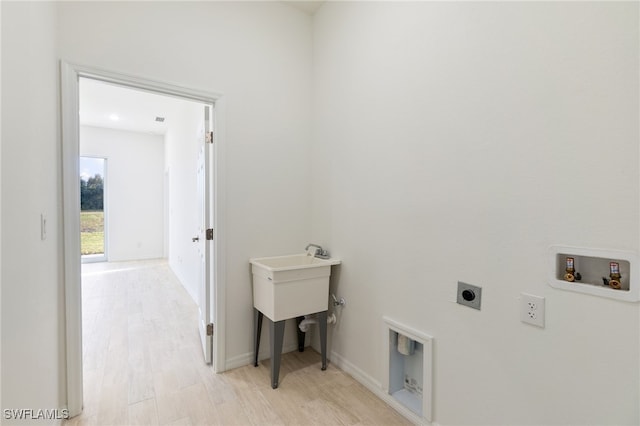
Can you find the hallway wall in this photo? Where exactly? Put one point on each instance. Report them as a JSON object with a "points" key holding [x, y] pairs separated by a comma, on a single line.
{"points": [[33, 374], [135, 218]]}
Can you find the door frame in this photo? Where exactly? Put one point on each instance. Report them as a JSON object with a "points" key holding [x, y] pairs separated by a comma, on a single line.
{"points": [[69, 90]]}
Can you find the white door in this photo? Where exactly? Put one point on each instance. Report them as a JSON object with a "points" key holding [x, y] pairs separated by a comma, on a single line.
{"points": [[204, 239]]}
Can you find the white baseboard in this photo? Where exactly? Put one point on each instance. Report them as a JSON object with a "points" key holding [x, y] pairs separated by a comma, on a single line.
{"points": [[355, 372], [247, 358], [376, 387]]}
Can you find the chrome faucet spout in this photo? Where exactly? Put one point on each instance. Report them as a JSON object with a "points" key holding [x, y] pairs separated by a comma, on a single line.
{"points": [[320, 252]]}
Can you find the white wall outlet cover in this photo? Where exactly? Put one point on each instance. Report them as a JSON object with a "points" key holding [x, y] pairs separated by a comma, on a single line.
{"points": [[532, 309]]}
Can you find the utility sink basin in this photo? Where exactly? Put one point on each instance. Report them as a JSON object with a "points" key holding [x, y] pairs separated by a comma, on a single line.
{"points": [[291, 286]]}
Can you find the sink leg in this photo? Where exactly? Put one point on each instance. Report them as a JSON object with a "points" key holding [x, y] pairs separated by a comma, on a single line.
{"points": [[257, 324], [301, 334], [322, 324], [277, 336]]}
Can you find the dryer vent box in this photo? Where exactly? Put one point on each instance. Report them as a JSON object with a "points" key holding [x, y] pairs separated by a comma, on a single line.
{"points": [[469, 295]]}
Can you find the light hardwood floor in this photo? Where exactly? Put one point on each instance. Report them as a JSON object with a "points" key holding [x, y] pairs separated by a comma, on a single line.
{"points": [[143, 365]]}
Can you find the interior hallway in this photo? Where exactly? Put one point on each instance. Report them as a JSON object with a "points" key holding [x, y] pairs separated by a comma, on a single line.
{"points": [[143, 364]]}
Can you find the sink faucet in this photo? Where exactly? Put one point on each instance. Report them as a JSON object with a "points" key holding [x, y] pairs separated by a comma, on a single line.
{"points": [[320, 252]]}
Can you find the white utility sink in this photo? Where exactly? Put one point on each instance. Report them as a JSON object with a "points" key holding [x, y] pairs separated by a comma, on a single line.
{"points": [[291, 286]]}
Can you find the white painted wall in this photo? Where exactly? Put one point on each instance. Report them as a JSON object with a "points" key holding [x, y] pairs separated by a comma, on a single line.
{"points": [[182, 147], [458, 141], [0, 201], [134, 190], [258, 56], [447, 135], [32, 298]]}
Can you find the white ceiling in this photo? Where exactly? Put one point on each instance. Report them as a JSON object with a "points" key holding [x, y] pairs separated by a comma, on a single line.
{"points": [[116, 107]]}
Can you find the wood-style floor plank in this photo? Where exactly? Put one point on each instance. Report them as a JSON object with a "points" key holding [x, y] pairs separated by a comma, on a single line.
{"points": [[143, 365]]}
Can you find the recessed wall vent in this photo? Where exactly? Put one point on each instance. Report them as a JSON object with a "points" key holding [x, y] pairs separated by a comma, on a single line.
{"points": [[160, 119], [409, 383]]}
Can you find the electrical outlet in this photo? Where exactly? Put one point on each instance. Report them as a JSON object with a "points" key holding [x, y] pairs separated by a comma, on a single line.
{"points": [[532, 310]]}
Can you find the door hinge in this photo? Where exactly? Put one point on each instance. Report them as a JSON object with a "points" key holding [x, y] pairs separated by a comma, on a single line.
{"points": [[209, 329], [209, 234], [208, 137]]}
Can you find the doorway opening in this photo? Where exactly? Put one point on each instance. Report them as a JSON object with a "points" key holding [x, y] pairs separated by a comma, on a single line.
{"points": [[153, 196], [93, 246]]}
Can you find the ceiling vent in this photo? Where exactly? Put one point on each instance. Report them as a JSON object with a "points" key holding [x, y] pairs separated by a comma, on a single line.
{"points": [[160, 119]]}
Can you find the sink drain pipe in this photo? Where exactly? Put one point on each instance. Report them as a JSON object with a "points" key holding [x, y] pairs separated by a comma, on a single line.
{"points": [[311, 319]]}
